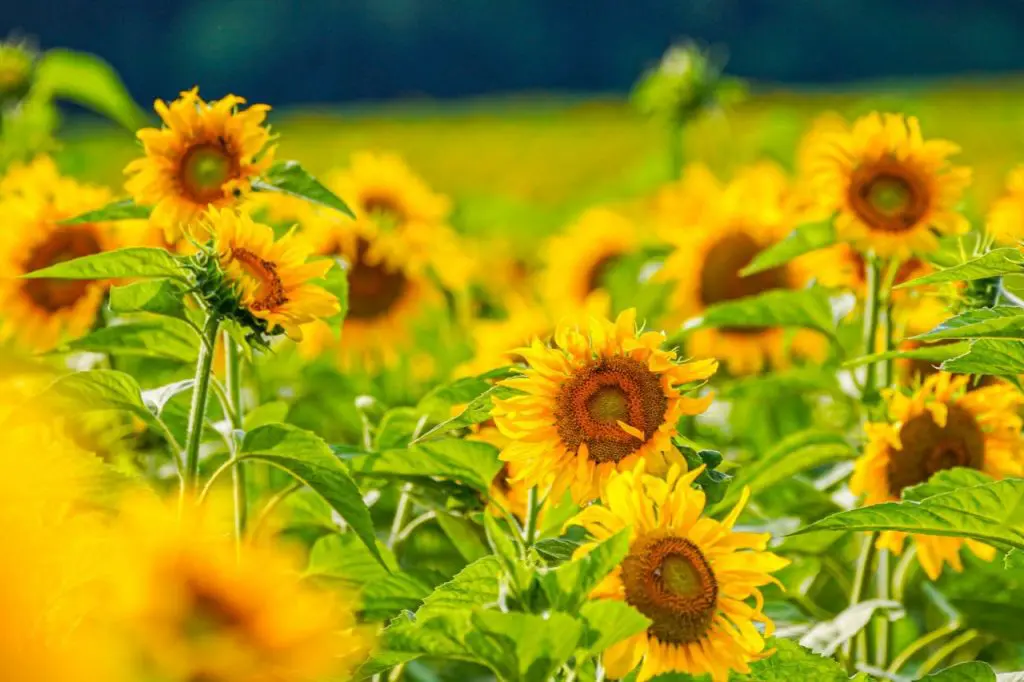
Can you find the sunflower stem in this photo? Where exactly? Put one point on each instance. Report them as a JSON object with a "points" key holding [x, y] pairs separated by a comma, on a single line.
{"points": [[197, 412], [871, 310], [945, 652], [920, 643], [903, 572], [860, 584], [532, 511], [675, 149], [233, 379], [401, 510], [883, 580]]}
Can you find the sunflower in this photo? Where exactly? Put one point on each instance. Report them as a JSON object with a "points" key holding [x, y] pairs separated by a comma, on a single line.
{"points": [[1005, 221], [691, 576], [577, 263], [38, 313], [941, 426], [272, 277], [495, 341], [199, 608], [892, 189], [602, 399], [714, 237], [206, 154]]}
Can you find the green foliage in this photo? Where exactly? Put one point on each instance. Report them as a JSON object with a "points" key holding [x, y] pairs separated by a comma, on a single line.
{"points": [[608, 622], [477, 411], [478, 584], [165, 338], [471, 463], [792, 662], [989, 356], [806, 308], [568, 586], [288, 177], [993, 264], [946, 481], [1006, 322], [123, 209], [803, 239], [157, 296], [971, 671], [98, 390], [135, 262], [936, 353], [87, 80]]}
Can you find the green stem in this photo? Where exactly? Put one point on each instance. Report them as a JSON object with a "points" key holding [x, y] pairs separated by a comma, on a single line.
{"points": [[233, 378], [903, 572], [532, 512], [945, 652], [920, 643], [197, 412], [860, 585], [882, 581], [871, 309], [401, 510], [675, 149]]}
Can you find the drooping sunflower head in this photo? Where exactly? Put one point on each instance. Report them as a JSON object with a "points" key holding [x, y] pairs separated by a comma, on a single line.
{"points": [[712, 245], [271, 284], [941, 426], [691, 575], [576, 263], [38, 313], [603, 398], [206, 154], [1005, 221], [892, 189]]}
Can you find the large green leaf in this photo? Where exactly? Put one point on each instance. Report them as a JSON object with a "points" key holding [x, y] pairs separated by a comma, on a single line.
{"points": [[609, 621], [522, 647], [468, 537], [478, 410], [288, 177], [568, 586], [471, 463], [439, 402], [475, 585], [164, 338], [803, 239], [970, 671], [989, 356], [139, 262], [808, 308], [944, 481], [993, 264], [932, 353], [344, 557], [87, 80], [791, 663], [123, 209], [98, 390], [309, 459], [992, 513], [1004, 322], [158, 296], [396, 428]]}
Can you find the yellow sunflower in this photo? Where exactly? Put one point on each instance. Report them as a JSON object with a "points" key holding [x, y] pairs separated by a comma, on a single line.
{"points": [[941, 426], [273, 277], [495, 341], [38, 313], [198, 608], [604, 398], [892, 189], [206, 154], [1005, 220], [577, 262], [713, 240], [692, 576]]}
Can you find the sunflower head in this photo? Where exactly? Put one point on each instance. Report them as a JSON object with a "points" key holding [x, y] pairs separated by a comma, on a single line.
{"points": [[604, 397], [381, 188], [691, 576], [1005, 220], [207, 154], [892, 189], [495, 341], [940, 426]]}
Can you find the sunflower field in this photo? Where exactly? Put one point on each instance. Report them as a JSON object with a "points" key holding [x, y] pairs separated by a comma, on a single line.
{"points": [[717, 384]]}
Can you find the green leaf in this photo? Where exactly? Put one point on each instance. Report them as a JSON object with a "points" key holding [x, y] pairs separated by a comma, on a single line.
{"points": [[392, 594], [971, 671], [267, 413], [157, 398], [1014, 560], [522, 647], [158, 296], [471, 463], [807, 308], [396, 428], [556, 550], [98, 390], [138, 262], [288, 177], [803, 239], [87, 80], [468, 537], [501, 544], [165, 338], [123, 209], [993, 264], [936, 353], [568, 586], [336, 283], [608, 622], [478, 410], [309, 459], [791, 663], [826, 637], [1005, 322], [992, 513], [989, 356], [475, 585], [944, 481], [346, 558], [439, 402]]}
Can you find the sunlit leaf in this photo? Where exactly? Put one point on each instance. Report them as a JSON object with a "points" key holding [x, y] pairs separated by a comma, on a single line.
{"points": [[807, 308], [790, 663], [993, 264], [288, 177], [945, 481], [478, 410], [989, 356], [336, 283], [87, 80], [468, 537], [1005, 322], [139, 262], [345, 557], [475, 585], [803, 239], [123, 209], [970, 671], [568, 586], [98, 390], [933, 353], [158, 296], [471, 463], [166, 338], [1014, 560], [608, 622], [522, 647]]}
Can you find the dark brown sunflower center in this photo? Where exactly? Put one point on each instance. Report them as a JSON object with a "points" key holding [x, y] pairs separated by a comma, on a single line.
{"points": [[64, 244], [211, 611], [669, 580], [204, 170], [373, 288], [384, 209], [591, 404], [501, 479], [929, 448], [888, 195], [599, 271], [269, 292], [720, 278]]}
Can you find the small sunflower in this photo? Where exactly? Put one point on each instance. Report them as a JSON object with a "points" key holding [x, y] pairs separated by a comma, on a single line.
{"points": [[604, 398], [38, 313], [892, 189], [495, 341], [712, 242], [272, 278], [576, 263], [941, 426], [206, 154], [692, 577], [1005, 220]]}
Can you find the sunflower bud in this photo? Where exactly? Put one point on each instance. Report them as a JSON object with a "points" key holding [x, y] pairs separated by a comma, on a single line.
{"points": [[687, 82], [17, 63]]}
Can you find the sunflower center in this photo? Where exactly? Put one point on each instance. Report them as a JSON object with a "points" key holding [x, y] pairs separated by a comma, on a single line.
{"points": [[929, 448], [53, 295], [204, 170], [607, 391], [599, 271], [720, 278], [384, 209], [373, 288], [269, 290], [669, 580], [210, 612], [888, 196]]}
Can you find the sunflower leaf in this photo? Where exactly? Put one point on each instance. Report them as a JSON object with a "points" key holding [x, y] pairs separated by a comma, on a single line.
{"points": [[475, 585], [1004, 322], [288, 177], [932, 353], [467, 536], [803, 239], [992, 513], [608, 622], [157, 296], [472, 463], [995, 263], [806, 308], [568, 586], [87, 80], [98, 390], [969, 671], [522, 647], [999, 357], [478, 410], [305, 456], [945, 481], [789, 663], [166, 338], [135, 262], [124, 209]]}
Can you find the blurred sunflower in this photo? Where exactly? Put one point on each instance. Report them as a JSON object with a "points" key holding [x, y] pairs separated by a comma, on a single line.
{"points": [[604, 398], [1005, 221], [495, 340], [713, 243], [207, 154], [38, 313], [892, 189], [272, 278], [577, 262], [691, 576], [941, 426], [197, 609]]}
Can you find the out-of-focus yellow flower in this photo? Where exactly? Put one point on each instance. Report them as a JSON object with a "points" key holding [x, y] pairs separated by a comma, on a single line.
{"points": [[1006, 217], [495, 341], [205, 154]]}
